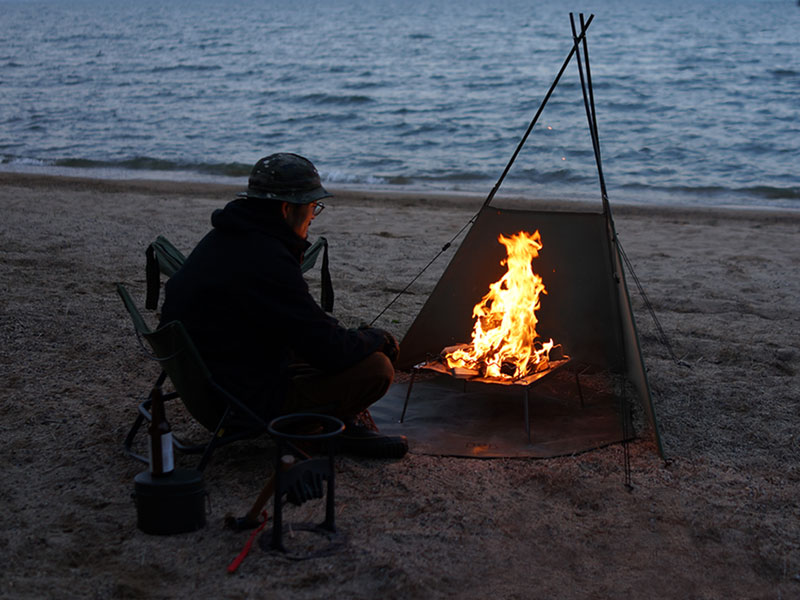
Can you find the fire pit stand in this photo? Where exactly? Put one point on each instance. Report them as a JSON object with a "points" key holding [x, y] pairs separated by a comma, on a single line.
{"points": [[304, 481], [526, 384]]}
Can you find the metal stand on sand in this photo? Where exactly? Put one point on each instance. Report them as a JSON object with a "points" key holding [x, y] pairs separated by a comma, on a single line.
{"points": [[302, 481]]}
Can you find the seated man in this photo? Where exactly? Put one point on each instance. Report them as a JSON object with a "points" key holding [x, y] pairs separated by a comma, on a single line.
{"points": [[242, 298]]}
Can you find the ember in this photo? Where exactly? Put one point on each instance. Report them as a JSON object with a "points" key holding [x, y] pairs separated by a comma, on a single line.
{"points": [[505, 345]]}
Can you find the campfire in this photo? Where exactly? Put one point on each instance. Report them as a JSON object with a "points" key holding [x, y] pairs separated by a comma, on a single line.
{"points": [[505, 346]]}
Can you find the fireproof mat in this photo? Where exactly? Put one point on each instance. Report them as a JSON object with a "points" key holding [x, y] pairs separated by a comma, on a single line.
{"points": [[445, 417]]}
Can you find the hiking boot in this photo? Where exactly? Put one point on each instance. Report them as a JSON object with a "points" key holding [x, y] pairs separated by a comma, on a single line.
{"points": [[363, 441]]}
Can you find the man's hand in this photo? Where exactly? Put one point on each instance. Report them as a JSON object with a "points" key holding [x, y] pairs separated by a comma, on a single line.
{"points": [[390, 346]]}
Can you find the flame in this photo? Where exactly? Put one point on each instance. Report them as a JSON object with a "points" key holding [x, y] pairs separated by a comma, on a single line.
{"points": [[505, 344]]}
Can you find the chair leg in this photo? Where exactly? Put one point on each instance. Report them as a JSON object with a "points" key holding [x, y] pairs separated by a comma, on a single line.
{"points": [[207, 449], [207, 454], [212, 445], [131, 436], [144, 412]]}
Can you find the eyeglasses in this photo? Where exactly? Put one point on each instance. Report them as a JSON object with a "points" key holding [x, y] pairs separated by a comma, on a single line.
{"points": [[318, 208]]}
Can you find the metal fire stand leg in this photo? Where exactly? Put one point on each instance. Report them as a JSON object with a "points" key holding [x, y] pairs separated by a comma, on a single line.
{"points": [[408, 393], [525, 402], [330, 511], [578, 382]]}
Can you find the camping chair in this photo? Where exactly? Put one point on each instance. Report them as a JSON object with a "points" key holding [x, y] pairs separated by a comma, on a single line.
{"points": [[206, 401], [163, 257]]}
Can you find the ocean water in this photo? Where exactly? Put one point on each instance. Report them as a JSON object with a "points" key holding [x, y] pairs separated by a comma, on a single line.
{"points": [[697, 101]]}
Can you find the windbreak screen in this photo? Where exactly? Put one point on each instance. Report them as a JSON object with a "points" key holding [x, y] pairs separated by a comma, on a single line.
{"points": [[579, 310], [586, 310]]}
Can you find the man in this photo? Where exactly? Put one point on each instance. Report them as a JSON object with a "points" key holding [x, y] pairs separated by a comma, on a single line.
{"points": [[242, 297]]}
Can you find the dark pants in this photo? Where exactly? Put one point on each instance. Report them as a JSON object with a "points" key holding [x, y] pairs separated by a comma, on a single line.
{"points": [[344, 394]]}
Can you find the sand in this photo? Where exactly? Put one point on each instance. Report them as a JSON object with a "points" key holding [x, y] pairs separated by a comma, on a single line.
{"points": [[719, 518]]}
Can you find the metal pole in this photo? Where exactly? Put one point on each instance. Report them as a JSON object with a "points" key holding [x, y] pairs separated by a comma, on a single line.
{"points": [[496, 187], [575, 44], [408, 393], [591, 115], [277, 508], [330, 510]]}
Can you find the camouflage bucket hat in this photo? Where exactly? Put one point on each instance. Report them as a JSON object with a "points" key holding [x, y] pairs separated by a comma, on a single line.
{"points": [[286, 177]]}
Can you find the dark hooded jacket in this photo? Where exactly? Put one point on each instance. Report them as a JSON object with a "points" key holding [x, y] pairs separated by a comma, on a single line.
{"points": [[242, 298]]}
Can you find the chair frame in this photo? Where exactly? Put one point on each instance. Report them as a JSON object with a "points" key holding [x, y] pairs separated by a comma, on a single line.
{"points": [[164, 258], [198, 388]]}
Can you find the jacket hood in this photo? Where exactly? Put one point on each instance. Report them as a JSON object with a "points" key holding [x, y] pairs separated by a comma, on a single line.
{"points": [[246, 215]]}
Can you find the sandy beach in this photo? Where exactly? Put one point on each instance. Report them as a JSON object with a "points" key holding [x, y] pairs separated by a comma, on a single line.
{"points": [[719, 518]]}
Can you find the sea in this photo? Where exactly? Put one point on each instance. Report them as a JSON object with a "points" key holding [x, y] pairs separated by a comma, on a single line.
{"points": [[696, 101]]}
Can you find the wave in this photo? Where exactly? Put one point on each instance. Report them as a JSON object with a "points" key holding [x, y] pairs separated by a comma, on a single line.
{"points": [[557, 182], [189, 68], [23, 162], [322, 98], [785, 73], [146, 163], [344, 177], [771, 193], [759, 195]]}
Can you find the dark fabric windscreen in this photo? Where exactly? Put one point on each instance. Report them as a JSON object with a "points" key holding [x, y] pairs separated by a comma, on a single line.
{"points": [[579, 310], [635, 370]]}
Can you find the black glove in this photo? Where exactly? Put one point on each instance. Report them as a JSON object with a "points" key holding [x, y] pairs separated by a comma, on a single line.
{"points": [[390, 346]]}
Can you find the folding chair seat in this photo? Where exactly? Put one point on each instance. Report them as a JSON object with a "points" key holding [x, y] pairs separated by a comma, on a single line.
{"points": [[221, 413]]}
